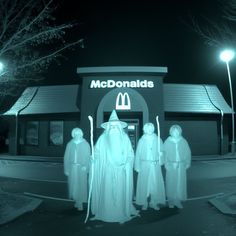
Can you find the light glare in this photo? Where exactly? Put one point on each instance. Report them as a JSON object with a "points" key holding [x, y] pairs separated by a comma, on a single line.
{"points": [[1, 66], [227, 55]]}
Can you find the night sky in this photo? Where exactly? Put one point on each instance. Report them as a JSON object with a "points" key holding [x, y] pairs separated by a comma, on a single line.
{"points": [[142, 33]]}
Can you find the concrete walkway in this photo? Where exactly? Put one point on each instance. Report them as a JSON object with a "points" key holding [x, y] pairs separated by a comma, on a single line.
{"points": [[51, 168], [206, 179]]}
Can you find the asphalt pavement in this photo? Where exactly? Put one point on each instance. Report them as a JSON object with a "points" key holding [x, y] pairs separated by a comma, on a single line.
{"points": [[57, 216]]}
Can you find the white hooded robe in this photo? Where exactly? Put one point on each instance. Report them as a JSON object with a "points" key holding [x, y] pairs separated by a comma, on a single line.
{"points": [[148, 165], [177, 161], [76, 167], [112, 186]]}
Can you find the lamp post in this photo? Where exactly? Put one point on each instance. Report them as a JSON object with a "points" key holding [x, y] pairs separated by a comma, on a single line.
{"points": [[1, 67], [227, 56]]}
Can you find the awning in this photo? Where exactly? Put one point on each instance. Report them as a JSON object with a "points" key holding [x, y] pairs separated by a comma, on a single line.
{"points": [[46, 100], [194, 98]]}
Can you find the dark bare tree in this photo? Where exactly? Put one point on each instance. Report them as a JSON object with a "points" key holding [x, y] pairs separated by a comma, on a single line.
{"points": [[30, 39], [219, 29]]}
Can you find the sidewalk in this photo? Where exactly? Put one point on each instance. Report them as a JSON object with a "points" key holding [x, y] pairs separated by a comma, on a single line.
{"points": [[206, 179], [197, 218], [51, 168], [6, 156], [214, 157]]}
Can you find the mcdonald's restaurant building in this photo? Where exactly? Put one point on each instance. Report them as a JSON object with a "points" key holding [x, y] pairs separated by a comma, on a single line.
{"points": [[41, 120]]}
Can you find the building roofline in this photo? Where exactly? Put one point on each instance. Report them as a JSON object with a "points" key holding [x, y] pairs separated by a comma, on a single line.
{"points": [[105, 70]]}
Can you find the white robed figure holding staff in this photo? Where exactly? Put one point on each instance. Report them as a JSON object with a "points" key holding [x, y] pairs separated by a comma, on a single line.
{"points": [[112, 185], [148, 162]]}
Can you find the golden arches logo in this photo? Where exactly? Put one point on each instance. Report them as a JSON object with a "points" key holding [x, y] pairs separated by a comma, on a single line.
{"points": [[123, 101]]}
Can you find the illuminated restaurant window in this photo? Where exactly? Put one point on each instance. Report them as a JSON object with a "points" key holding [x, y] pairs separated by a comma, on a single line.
{"points": [[32, 133], [56, 133]]}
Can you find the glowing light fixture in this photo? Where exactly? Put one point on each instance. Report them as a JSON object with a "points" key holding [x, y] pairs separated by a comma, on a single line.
{"points": [[1, 67], [227, 55]]}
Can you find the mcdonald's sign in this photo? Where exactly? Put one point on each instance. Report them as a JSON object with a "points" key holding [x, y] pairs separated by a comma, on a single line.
{"points": [[123, 101]]}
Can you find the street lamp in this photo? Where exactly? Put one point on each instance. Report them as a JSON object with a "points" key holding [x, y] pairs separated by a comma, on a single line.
{"points": [[227, 56], [1, 67]]}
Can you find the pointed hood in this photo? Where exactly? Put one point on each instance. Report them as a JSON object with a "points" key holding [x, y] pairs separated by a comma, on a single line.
{"points": [[114, 119]]}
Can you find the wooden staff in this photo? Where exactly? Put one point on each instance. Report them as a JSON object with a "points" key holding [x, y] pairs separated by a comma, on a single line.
{"points": [[91, 134], [159, 137], [91, 180]]}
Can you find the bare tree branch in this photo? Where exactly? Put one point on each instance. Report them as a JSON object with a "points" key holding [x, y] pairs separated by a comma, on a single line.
{"points": [[27, 28], [50, 56], [217, 32], [37, 36]]}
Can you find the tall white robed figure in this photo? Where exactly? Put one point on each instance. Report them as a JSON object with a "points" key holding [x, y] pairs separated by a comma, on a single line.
{"points": [[148, 162], [76, 167], [112, 187], [177, 161]]}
